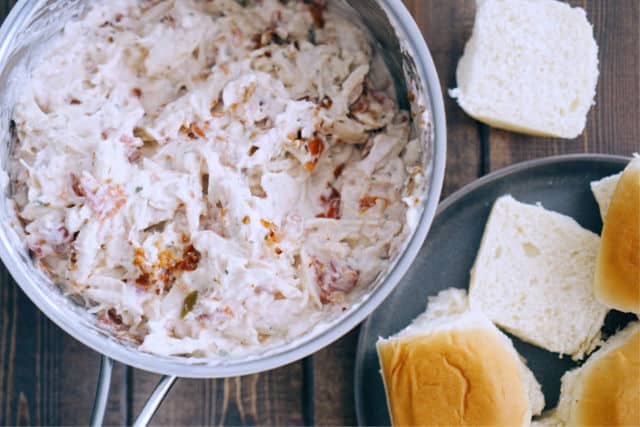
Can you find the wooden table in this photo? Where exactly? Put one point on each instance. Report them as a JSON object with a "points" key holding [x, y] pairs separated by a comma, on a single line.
{"points": [[47, 377]]}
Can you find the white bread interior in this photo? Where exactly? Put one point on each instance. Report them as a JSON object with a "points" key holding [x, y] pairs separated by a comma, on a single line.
{"points": [[603, 191], [530, 66], [533, 276]]}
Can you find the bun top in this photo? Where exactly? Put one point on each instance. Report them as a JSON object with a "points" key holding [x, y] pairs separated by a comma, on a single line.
{"points": [[453, 377], [610, 392], [617, 278]]}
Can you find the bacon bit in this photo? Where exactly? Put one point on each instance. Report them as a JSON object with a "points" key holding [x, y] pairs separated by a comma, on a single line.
{"points": [[75, 101], [137, 92], [316, 8], [134, 156], [165, 258], [144, 280], [73, 260], [252, 150], [256, 39], [66, 237], [170, 20], [332, 204], [114, 316], [267, 224], [278, 250], [246, 219], [114, 195], [203, 317], [310, 165], [35, 252], [315, 146], [334, 282], [361, 105], [379, 96], [237, 36], [326, 102], [190, 259], [77, 186], [197, 130], [272, 236], [370, 201], [338, 171]]}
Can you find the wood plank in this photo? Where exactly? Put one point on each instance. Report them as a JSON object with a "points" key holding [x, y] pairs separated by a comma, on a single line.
{"points": [[46, 376], [613, 124], [270, 398], [445, 25]]}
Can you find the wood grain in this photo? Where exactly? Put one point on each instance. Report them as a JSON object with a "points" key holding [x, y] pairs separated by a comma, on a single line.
{"points": [[46, 377], [269, 398]]}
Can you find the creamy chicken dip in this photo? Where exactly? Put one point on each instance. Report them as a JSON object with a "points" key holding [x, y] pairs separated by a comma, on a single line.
{"points": [[213, 178]]}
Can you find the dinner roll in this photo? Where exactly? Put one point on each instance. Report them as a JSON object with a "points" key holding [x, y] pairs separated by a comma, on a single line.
{"points": [[606, 389], [452, 366], [617, 277], [603, 190], [530, 66]]}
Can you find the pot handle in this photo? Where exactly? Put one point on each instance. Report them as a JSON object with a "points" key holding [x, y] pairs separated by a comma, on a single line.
{"points": [[102, 396]]}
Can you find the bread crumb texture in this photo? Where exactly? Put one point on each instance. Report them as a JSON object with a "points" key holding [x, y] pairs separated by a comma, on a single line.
{"points": [[533, 276], [459, 378], [530, 66]]}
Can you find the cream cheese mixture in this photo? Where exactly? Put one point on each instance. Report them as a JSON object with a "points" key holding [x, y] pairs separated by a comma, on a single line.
{"points": [[212, 178]]}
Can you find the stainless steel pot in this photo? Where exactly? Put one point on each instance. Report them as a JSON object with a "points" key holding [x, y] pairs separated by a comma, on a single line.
{"points": [[31, 22]]}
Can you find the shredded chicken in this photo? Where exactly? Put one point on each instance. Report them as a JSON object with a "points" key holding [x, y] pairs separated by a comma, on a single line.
{"points": [[211, 177]]}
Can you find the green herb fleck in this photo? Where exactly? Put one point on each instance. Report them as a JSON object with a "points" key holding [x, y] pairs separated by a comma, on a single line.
{"points": [[311, 35], [189, 303]]}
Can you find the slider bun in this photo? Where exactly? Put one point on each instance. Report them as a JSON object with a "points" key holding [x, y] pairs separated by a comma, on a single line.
{"points": [[456, 369], [617, 276], [606, 389]]}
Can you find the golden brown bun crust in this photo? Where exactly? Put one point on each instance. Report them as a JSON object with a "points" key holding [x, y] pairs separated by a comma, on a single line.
{"points": [[617, 278], [453, 378], [611, 390]]}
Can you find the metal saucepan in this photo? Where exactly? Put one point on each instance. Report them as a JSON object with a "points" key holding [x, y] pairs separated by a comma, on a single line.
{"points": [[31, 23]]}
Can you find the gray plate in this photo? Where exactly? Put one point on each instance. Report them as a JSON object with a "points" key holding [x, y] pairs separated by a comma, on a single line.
{"points": [[560, 183]]}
